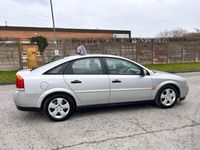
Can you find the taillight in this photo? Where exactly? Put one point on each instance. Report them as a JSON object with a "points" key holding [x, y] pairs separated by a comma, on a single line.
{"points": [[19, 82]]}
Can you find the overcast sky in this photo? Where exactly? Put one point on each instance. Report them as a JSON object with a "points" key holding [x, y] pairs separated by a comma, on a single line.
{"points": [[145, 18]]}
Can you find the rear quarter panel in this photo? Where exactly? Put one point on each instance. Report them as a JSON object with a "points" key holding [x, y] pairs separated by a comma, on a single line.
{"points": [[43, 85]]}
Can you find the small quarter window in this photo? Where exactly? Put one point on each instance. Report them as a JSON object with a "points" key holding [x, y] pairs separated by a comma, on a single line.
{"points": [[57, 70]]}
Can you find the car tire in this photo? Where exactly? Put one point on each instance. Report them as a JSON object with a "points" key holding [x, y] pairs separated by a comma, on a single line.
{"points": [[59, 107], [166, 97]]}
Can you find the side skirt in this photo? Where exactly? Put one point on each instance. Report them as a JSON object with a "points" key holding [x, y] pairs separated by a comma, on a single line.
{"points": [[115, 104]]}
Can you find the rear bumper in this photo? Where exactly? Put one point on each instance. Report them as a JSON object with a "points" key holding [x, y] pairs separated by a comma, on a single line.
{"points": [[28, 108], [24, 101]]}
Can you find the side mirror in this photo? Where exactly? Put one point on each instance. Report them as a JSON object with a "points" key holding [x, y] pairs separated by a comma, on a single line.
{"points": [[143, 72]]}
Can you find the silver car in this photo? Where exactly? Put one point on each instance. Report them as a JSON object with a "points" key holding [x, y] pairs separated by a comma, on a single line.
{"points": [[60, 87]]}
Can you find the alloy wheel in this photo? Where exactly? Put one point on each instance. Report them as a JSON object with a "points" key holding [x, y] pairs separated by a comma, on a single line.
{"points": [[59, 108], [168, 97]]}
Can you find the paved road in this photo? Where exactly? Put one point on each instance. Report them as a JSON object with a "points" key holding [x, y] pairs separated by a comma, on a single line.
{"points": [[135, 127]]}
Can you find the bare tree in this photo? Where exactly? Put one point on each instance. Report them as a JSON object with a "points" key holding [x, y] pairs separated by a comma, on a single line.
{"points": [[172, 33], [195, 34]]}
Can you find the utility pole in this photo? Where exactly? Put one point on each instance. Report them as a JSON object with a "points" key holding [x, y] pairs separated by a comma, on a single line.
{"points": [[54, 30]]}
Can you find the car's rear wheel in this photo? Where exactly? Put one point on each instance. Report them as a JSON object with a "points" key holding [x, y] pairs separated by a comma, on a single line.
{"points": [[58, 107], [167, 97]]}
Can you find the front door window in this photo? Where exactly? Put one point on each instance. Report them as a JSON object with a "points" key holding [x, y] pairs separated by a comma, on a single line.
{"points": [[122, 67]]}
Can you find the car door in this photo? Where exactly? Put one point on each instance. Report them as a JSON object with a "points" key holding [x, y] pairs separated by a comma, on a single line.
{"points": [[88, 81], [127, 83]]}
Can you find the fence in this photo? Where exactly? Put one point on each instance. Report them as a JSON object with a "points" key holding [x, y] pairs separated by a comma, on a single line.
{"points": [[145, 51]]}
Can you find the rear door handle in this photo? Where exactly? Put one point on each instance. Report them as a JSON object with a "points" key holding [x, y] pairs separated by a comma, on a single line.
{"points": [[116, 81], [76, 81]]}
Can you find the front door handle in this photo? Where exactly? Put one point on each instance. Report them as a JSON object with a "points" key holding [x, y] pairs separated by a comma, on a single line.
{"points": [[116, 81], [76, 81]]}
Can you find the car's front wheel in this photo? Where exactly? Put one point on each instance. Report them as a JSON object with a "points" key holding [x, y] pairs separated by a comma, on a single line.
{"points": [[58, 107], [166, 97]]}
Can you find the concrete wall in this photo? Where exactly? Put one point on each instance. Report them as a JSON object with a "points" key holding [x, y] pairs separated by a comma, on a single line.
{"points": [[144, 51], [9, 56]]}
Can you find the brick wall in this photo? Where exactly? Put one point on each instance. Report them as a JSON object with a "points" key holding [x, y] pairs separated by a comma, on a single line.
{"points": [[49, 34], [17, 32], [144, 51]]}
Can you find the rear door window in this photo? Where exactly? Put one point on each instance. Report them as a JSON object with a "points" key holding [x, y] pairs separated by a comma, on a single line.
{"points": [[85, 66]]}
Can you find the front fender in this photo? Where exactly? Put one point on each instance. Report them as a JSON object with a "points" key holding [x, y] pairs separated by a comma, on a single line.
{"points": [[54, 90], [163, 84]]}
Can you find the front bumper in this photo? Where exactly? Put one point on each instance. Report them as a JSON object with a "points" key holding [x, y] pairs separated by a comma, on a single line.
{"points": [[184, 92], [183, 98]]}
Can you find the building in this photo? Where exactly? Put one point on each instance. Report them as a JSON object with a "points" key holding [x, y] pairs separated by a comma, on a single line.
{"points": [[21, 33], [26, 54]]}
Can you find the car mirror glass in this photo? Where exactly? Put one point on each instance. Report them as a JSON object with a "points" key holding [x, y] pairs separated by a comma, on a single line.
{"points": [[143, 72]]}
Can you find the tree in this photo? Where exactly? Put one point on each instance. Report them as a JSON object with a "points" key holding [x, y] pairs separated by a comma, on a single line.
{"points": [[41, 42], [172, 33]]}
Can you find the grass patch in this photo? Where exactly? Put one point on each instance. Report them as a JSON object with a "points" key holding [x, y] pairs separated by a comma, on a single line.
{"points": [[175, 67], [7, 76]]}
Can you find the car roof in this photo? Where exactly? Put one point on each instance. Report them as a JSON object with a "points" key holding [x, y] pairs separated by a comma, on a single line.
{"points": [[90, 55], [50, 65]]}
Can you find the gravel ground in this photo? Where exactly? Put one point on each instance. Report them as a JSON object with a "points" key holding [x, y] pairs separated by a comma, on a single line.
{"points": [[141, 126]]}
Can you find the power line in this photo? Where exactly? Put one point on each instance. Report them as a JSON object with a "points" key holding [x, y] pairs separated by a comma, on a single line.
{"points": [[22, 9], [23, 12]]}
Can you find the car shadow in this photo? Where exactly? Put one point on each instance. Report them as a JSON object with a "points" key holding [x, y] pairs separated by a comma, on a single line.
{"points": [[30, 116], [93, 110], [38, 117]]}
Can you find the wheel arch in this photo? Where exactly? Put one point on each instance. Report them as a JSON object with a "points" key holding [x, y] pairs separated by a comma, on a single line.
{"points": [[51, 92], [172, 83], [63, 93]]}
